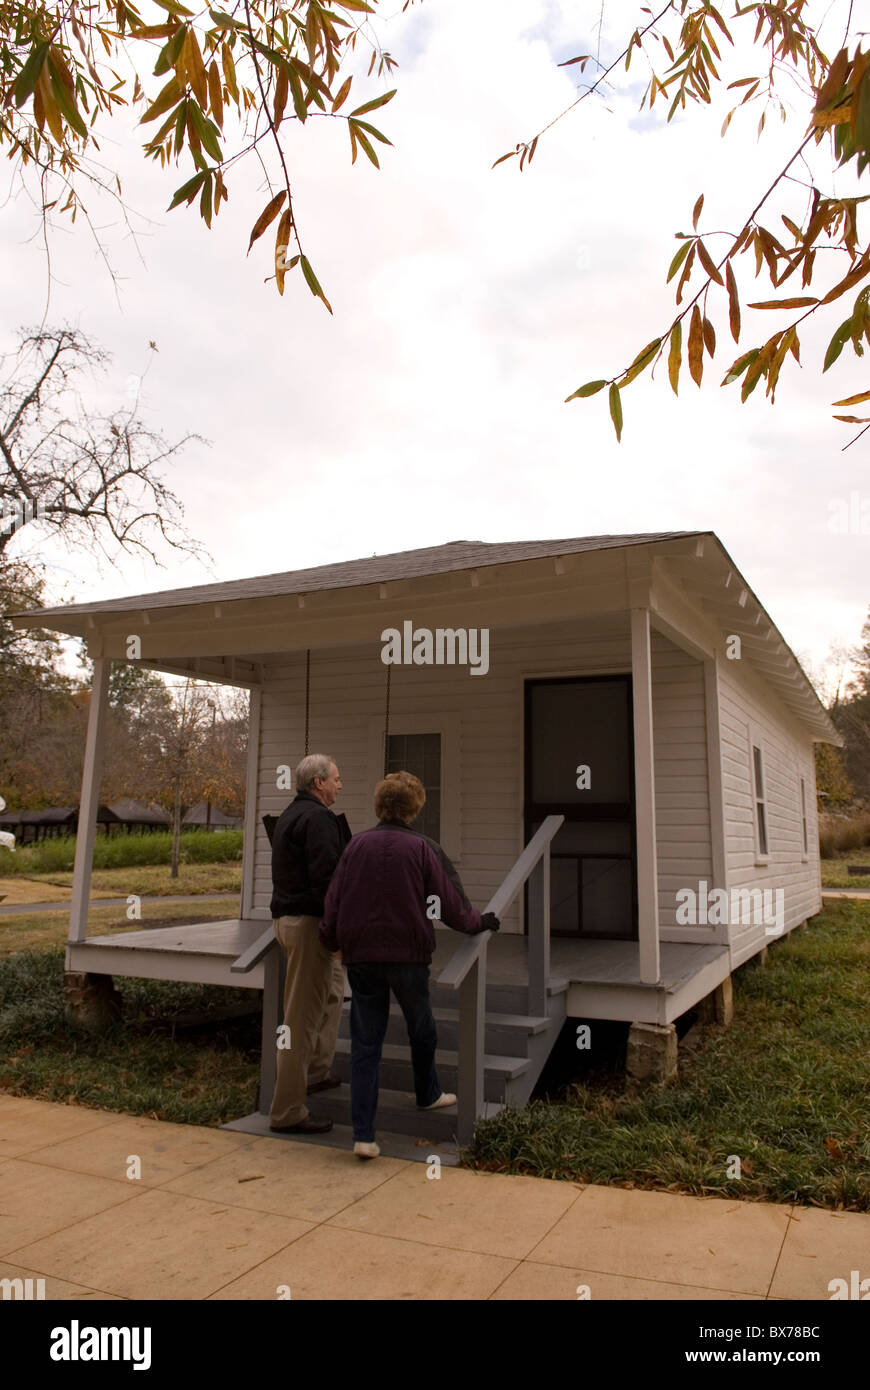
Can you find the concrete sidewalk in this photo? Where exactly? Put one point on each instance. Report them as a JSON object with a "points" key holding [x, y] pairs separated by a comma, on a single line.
{"points": [[221, 1215]]}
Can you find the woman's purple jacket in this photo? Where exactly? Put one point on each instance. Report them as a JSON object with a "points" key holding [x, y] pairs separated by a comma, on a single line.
{"points": [[375, 909]]}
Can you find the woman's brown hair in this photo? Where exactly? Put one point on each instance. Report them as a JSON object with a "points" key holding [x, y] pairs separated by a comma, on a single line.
{"points": [[400, 796]]}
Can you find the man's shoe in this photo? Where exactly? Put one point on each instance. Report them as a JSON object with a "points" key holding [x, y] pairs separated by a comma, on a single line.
{"points": [[365, 1150], [329, 1081], [312, 1124], [445, 1098]]}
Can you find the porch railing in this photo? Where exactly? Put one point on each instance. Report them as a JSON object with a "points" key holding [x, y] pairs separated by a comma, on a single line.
{"points": [[466, 970]]}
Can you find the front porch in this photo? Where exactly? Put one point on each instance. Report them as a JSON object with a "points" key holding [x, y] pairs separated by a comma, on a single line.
{"points": [[601, 979]]}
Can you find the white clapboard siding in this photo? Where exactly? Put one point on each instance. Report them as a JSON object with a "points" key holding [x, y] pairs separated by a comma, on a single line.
{"points": [[682, 790], [348, 687], [750, 710]]}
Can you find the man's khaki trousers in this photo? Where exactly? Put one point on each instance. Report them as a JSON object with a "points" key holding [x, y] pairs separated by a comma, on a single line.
{"points": [[313, 995]]}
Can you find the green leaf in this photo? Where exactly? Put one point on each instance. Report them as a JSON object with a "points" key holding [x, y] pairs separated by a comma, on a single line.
{"points": [[675, 356], [589, 389], [678, 260], [225, 21], [312, 282], [837, 343], [180, 125], [616, 411], [207, 132], [296, 92], [642, 361], [29, 75], [205, 201], [170, 51], [375, 103], [67, 106], [276, 58], [187, 192], [862, 127], [739, 367], [372, 131]]}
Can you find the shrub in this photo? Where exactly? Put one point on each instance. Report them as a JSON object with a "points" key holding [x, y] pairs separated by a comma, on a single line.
{"points": [[840, 834], [121, 851]]}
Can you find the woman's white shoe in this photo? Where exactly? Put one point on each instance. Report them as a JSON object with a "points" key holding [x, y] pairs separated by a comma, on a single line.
{"points": [[365, 1150], [445, 1098]]}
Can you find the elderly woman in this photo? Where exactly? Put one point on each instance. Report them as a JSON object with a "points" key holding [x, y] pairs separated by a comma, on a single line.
{"points": [[375, 915]]}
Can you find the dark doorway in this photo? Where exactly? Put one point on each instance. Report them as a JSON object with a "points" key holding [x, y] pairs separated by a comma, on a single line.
{"points": [[572, 724]]}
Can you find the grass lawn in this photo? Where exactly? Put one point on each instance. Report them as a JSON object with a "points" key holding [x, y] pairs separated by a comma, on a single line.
{"points": [[834, 871], [784, 1088], [152, 880], [144, 1065], [141, 1066], [42, 930]]}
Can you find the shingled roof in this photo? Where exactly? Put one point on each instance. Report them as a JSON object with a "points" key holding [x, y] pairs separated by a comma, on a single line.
{"points": [[375, 569]]}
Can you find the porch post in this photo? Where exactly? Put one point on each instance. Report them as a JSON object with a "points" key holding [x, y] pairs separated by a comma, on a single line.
{"points": [[90, 800], [471, 1048], [252, 807], [645, 807], [273, 1017], [715, 784]]}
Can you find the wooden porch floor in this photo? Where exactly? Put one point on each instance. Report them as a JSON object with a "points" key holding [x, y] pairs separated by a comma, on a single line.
{"points": [[602, 977]]}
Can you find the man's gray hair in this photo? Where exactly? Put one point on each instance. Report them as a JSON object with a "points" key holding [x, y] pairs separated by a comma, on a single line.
{"points": [[312, 766]]}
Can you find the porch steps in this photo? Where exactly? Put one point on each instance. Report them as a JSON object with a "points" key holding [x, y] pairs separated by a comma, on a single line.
{"points": [[507, 1034], [397, 1112], [516, 1047], [396, 1071]]}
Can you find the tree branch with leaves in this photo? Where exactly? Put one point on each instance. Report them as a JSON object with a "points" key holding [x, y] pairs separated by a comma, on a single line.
{"points": [[840, 94], [225, 81]]}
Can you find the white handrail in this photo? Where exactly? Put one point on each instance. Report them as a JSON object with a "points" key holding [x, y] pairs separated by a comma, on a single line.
{"points": [[464, 957]]}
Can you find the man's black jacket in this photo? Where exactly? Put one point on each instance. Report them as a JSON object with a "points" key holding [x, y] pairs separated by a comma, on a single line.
{"points": [[307, 844]]}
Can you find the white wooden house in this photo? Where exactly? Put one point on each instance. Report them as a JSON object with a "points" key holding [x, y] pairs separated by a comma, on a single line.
{"points": [[624, 704]]}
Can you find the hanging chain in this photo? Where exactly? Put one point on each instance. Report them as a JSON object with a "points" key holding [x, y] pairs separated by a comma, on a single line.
{"points": [[307, 695], [387, 723]]}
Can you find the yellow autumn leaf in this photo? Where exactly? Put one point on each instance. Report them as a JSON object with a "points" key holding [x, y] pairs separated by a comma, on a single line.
{"points": [[281, 249]]}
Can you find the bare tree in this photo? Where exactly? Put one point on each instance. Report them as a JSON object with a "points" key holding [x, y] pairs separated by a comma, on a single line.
{"points": [[185, 727], [93, 480]]}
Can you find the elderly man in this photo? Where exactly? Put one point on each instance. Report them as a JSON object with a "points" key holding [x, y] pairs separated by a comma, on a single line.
{"points": [[307, 844]]}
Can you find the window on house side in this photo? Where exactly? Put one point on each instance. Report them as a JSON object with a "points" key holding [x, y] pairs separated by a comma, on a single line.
{"points": [[760, 815], [804, 813]]}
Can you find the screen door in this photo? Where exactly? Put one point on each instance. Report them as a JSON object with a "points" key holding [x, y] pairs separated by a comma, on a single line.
{"points": [[580, 764]]}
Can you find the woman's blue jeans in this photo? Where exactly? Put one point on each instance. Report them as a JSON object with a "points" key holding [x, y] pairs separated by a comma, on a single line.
{"points": [[369, 1015]]}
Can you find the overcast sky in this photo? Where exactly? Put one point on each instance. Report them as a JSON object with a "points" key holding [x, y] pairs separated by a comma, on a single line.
{"points": [[468, 302]]}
